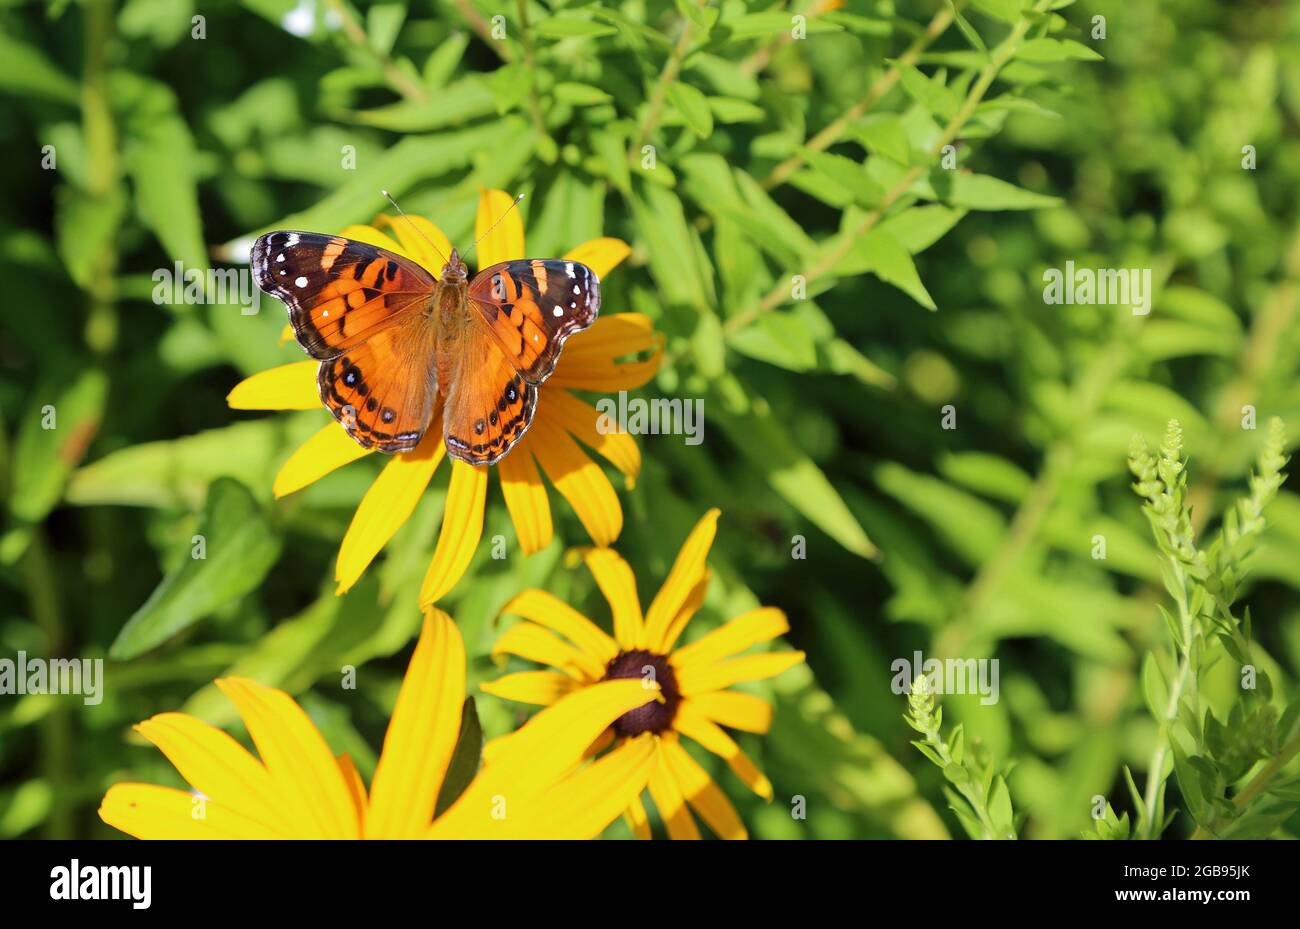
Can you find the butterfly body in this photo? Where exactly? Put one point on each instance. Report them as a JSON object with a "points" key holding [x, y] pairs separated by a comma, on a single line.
{"points": [[397, 345]]}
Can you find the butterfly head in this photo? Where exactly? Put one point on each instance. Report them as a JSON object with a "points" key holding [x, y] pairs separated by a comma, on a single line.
{"points": [[454, 271]]}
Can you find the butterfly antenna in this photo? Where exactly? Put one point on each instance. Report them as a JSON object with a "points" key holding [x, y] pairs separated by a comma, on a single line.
{"points": [[401, 213], [512, 205]]}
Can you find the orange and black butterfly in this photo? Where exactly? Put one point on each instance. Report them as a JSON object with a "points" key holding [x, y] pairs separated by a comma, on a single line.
{"points": [[394, 341]]}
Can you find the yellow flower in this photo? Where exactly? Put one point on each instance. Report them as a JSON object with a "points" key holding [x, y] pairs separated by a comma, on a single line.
{"points": [[589, 362], [299, 789], [693, 679]]}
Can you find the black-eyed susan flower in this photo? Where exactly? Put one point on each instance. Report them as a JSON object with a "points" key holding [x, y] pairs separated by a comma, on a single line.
{"points": [[297, 788], [693, 680], [552, 446]]}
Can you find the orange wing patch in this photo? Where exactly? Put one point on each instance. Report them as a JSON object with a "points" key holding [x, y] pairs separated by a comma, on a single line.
{"points": [[531, 307], [489, 404]]}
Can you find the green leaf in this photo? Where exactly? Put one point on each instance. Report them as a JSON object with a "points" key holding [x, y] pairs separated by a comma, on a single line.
{"points": [[455, 104], [383, 23], [749, 424], [579, 94], [778, 338], [1056, 50], [558, 27], [967, 29], [919, 227], [674, 261], [442, 63], [770, 24], [53, 437], [983, 192], [693, 107], [464, 759], [879, 253], [930, 93], [970, 527], [1154, 689], [177, 472], [28, 73], [848, 174], [883, 135], [238, 548]]}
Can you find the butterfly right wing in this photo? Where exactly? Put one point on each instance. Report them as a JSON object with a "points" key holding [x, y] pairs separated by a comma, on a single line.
{"points": [[340, 292], [489, 404]]}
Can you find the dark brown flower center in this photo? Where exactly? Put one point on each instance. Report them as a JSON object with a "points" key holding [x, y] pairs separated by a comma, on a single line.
{"points": [[653, 669]]}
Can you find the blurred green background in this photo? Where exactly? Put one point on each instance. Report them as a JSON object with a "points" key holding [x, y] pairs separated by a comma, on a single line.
{"points": [[131, 144]]}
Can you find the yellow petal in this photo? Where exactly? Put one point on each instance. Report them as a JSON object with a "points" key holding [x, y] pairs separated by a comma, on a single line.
{"points": [[584, 421], [526, 499], [610, 337], [693, 724], [149, 812], [687, 571], [579, 480], [583, 804], [534, 758], [218, 767], [387, 505], [701, 793], [694, 600], [356, 787], [637, 820], [709, 677], [668, 797], [589, 359], [426, 244], [506, 241], [462, 527], [327, 450], [286, 334], [311, 787], [534, 643], [618, 584], [288, 387], [550, 611], [601, 255], [538, 687], [760, 625], [421, 735], [734, 709]]}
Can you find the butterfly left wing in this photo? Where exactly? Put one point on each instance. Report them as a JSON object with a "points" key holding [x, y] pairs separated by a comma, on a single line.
{"points": [[340, 292], [530, 307], [383, 390]]}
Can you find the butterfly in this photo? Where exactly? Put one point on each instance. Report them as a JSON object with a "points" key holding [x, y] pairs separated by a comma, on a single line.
{"points": [[394, 342]]}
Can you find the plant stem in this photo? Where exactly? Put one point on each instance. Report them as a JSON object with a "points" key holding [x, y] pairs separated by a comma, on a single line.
{"points": [[1155, 767], [999, 58], [1260, 781], [669, 74], [881, 86], [530, 62], [396, 77]]}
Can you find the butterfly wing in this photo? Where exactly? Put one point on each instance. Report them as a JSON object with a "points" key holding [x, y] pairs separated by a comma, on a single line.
{"points": [[489, 403], [351, 307], [530, 307], [340, 292], [383, 390]]}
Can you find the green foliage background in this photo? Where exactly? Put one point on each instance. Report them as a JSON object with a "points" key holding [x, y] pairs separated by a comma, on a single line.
{"points": [[823, 415]]}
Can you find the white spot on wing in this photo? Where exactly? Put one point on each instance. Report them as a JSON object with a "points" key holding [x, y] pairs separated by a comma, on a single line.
{"points": [[558, 311], [293, 239], [301, 282]]}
